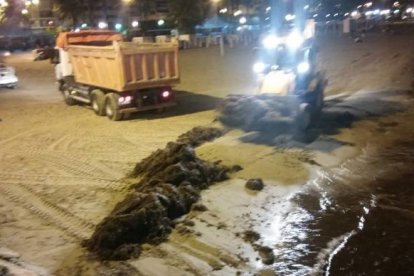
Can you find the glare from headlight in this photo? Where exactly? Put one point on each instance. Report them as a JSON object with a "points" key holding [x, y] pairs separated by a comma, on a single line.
{"points": [[303, 67], [259, 67], [270, 42], [294, 40]]}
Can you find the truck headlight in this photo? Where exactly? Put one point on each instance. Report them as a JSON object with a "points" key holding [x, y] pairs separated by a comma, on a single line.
{"points": [[270, 42], [303, 67], [259, 67]]}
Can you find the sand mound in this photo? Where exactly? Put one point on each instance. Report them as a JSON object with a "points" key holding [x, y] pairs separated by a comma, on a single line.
{"points": [[172, 179]]}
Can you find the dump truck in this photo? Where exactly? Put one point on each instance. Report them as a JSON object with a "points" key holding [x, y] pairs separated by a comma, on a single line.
{"points": [[114, 77]]}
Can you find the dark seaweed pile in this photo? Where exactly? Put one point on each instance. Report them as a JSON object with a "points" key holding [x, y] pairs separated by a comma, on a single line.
{"points": [[258, 112], [171, 182], [200, 135]]}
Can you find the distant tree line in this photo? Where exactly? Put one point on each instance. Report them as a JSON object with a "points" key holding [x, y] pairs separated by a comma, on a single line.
{"points": [[183, 14]]}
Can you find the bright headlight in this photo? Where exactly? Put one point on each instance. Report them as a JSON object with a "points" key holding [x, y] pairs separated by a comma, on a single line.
{"points": [[294, 40], [303, 67], [270, 42], [259, 67]]}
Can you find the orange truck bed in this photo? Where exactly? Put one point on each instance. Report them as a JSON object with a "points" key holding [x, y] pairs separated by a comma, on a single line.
{"points": [[121, 66]]}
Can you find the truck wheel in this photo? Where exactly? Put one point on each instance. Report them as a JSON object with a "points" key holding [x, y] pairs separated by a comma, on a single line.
{"points": [[112, 108], [98, 102], [66, 97]]}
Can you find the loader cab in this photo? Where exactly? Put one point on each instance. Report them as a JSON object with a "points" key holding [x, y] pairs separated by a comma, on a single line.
{"points": [[287, 49], [285, 55]]}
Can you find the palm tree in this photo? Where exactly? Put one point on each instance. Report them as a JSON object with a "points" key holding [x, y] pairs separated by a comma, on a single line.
{"points": [[11, 14], [69, 9], [187, 14], [91, 7], [80, 9], [144, 7]]}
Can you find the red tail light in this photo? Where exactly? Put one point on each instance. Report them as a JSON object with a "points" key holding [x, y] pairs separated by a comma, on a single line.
{"points": [[165, 94]]}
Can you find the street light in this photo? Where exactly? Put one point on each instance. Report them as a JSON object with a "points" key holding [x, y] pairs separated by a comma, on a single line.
{"points": [[161, 22], [237, 13], [135, 24], [290, 17], [3, 3], [368, 4], [102, 25], [118, 26]]}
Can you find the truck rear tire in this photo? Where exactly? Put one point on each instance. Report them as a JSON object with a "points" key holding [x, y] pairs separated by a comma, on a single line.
{"points": [[98, 102], [66, 96], [112, 107]]}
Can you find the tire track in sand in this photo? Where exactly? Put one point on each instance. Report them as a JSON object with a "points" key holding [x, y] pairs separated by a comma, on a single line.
{"points": [[93, 182], [76, 164], [24, 196]]}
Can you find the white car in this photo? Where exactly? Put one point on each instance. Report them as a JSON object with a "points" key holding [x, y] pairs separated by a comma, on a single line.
{"points": [[7, 76]]}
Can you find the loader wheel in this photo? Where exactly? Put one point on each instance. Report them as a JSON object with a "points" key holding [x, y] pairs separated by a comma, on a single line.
{"points": [[318, 102], [98, 102], [112, 108], [66, 96], [304, 119]]}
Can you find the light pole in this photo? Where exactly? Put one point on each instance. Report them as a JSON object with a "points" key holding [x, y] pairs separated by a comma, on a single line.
{"points": [[214, 6], [278, 11], [127, 11]]}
